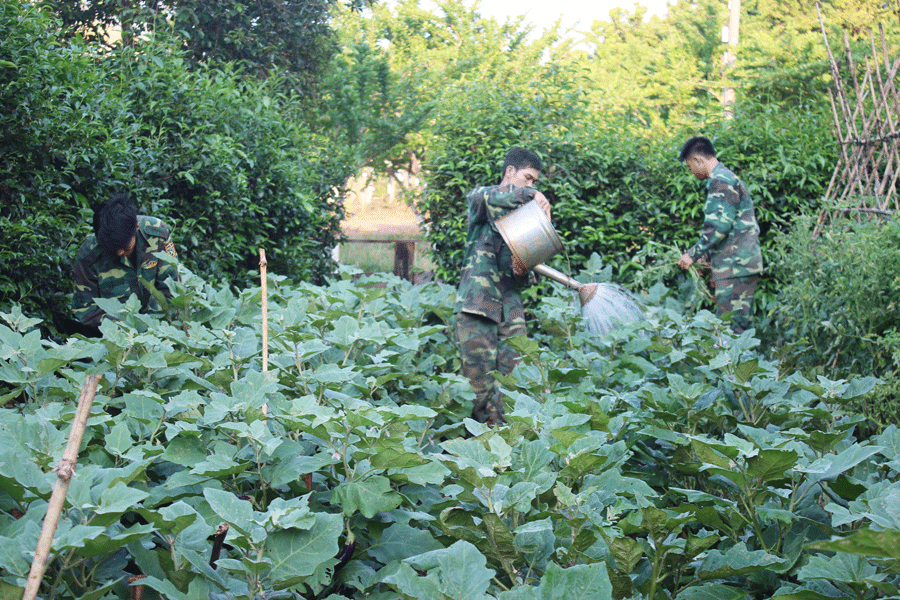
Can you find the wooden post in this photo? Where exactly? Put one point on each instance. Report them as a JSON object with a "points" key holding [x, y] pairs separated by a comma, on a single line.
{"points": [[734, 21], [263, 275], [404, 252], [65, 470]]}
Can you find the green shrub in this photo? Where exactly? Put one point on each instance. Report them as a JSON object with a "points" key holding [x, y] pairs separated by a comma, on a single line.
{"points": [[841, 296]]}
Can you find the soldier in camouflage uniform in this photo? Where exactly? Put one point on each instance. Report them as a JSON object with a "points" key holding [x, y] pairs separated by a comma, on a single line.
{"points": [[120, 251], [730, 233], [489, 305]]}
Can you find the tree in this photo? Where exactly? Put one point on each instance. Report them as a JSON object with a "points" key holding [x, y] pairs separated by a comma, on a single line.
{"points": [[403, 70], [659, 71], [667, 71], [262, 36]]}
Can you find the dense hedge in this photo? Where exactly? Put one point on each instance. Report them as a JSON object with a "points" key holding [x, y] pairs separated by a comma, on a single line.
{"points": [[225, 160], [839, 307], [614, 191]]}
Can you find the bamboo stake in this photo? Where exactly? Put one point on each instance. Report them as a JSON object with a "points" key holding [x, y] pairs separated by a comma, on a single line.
{"points": [[263, 264], [65, 470], [868, 168]]}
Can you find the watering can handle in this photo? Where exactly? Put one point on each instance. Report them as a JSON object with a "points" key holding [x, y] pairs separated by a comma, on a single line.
{"points": [[542, 269]]}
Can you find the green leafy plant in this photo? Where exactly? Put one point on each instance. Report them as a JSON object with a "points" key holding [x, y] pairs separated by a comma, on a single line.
{"points": [[669, 459]]}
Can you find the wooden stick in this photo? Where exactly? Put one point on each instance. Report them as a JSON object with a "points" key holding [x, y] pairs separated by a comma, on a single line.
{"points": [[263, 264], [65, 470], [876, 211], [218, 542]]}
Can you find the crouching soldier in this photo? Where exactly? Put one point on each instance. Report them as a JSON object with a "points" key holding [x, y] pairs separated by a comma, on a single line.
{"points": [[111, 261]]}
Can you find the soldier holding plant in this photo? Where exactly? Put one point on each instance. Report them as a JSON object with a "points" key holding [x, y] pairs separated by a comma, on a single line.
{"points": [[730, 233]]}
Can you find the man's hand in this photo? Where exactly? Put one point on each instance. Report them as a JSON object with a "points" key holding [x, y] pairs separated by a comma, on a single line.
{"points": [[685, 261], [518, 266], [543, 203]]}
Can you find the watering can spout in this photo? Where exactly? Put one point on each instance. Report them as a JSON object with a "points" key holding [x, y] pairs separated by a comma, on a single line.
{"points": [[585, 291]]}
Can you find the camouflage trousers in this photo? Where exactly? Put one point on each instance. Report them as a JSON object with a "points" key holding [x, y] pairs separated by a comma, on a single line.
{"points": [[736, 294], [482, 349]]}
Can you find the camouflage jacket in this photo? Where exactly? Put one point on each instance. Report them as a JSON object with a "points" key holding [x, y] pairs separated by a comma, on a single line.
{"points": [[730, 232], [487, 286], [99, 273]]}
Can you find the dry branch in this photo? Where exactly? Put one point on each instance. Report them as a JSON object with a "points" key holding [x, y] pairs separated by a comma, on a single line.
{"points": [[65, 470]]}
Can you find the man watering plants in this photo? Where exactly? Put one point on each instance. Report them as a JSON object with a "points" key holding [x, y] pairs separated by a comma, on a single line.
{"points": [[489, 307], [730, 233], [120, 251]]}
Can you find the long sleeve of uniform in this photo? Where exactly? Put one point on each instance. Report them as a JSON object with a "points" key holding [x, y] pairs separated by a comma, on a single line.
{"points": [[730, 232], [718, 221], [153, 270], [86, 287], [487, 204], [488, 286]]}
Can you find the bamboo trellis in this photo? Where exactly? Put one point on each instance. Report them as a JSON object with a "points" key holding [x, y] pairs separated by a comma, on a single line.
{"points": [[864, 182]]}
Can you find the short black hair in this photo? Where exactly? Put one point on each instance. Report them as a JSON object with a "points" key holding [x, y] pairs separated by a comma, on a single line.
{"points": [[521, 158], [115, 221], [697, 145]]}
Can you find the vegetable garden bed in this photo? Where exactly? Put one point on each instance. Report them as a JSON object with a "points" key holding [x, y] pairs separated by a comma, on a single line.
{"points": [[668, 460]]}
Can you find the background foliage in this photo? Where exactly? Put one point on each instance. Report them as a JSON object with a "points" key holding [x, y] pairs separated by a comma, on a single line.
{"points": [[840, 303], [261, 37]]}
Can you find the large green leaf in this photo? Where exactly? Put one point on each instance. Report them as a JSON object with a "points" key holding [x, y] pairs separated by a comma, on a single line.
{"points": [[461, 569], [116, 500], [144, 406], [829, 467], [411, 586], [234, 511], [368, 496], [500, 543], [14, 557], [581, 582], [91, 541], [20, 476], [185, 451], [867, 542], [737, 560], [712, 592], [884, 509], [296, 553], [401, 541], [851, 569], [430, 473], [392, 454], [197, 590], [216, 466], [770, 464], [171, 519]]}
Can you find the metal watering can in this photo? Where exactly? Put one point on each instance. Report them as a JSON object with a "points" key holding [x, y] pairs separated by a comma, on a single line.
{"points": [[531, 237]]}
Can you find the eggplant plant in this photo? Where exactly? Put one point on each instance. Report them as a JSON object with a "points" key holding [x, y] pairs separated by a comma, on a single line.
{"points": [[668, 459]]}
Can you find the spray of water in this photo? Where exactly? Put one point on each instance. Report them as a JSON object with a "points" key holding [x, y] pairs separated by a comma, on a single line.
{"points": [[610, 307]]}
